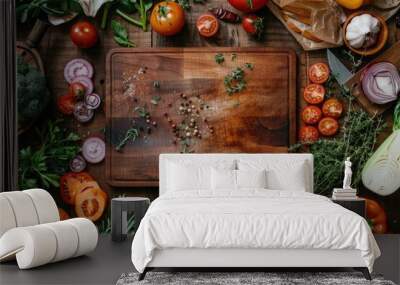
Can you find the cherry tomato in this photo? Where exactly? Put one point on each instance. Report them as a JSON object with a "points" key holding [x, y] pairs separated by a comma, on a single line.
{"points": [[71, 183], [253, 25], [308, 134], [248, 6], [314, 93], [77, 89], [377, 216], [167, 18], [66, 104], [332, 108], [83, 34], [207, 25], [311, 114], [318, 73], [328, 126]]}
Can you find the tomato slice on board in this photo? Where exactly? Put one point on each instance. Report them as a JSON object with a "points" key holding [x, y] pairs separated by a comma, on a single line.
{"points": [[328, 126], [71, 183], [207, 25], [308, 134], [66, 104], [314, 93], [318, 73], [311, 114], [332, 108], [90, 203]]}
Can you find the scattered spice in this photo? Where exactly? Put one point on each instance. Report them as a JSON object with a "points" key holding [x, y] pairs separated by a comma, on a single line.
{"points": [[156, 84]]}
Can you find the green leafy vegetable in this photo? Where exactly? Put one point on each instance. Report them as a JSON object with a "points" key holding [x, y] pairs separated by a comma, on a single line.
{"points": [[33, 95], [121, 34], [41, 167], [219, 58], [186, 3], [143, 7]]}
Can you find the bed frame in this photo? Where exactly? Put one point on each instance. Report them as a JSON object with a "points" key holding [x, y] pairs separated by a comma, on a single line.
{"points": [[250, 258]]}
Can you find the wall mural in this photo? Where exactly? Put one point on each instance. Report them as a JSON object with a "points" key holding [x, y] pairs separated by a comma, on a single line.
{"points": [[93, 119]]}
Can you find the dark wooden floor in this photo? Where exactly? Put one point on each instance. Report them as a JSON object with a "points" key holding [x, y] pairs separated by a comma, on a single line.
{"points": [[103, 266]]}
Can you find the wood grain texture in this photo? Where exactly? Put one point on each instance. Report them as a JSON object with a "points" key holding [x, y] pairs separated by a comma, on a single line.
{"points": [[261, 118]]}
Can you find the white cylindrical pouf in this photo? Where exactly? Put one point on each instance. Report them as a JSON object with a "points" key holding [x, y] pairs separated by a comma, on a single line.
{"points": [[7, 218], [45, 205], [23, 208], [67, 240], [87, 234]]}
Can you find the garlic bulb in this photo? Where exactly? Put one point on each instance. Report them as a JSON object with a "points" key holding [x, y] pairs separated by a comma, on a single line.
{"points": [[362, 31]]}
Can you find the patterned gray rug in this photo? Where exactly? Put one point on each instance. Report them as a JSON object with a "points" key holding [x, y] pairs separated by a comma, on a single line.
{"points": [[244, 278]]}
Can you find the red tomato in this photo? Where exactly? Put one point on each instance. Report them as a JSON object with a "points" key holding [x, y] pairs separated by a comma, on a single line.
{"points": [[332, 108], [207, 25], [66, 104], [83, 34], [91, 203], [314, 93], [167, 18], [72, 183], [253, 25], [308, 134], [377, 216], [318, 72], [248, 6], [63, 214], [311, 114], [328, 126], [77, 89]]}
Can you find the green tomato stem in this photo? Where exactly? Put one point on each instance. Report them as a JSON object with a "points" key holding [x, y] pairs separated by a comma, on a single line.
{"points": [[104, 18]]}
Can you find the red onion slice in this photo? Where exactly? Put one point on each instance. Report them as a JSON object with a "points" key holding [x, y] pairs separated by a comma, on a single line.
{"points": [[92, 101], [85, 81], [82, 113], [76, 68], [94, 149], [381, 83], [77, 164]]}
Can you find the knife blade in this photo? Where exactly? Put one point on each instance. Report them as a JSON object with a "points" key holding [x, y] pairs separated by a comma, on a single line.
{"points": [[341, 73]]}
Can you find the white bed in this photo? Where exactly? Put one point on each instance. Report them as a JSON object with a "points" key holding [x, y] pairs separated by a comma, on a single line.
{"points": [[281, 224]]}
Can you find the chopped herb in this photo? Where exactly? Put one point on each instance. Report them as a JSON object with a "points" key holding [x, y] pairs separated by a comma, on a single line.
{"points": [[249, 66], [186, 4], [155, 100], [121, 34], [235, 82], [142, 111], [219, 58], [131, 135], [233, 56]]}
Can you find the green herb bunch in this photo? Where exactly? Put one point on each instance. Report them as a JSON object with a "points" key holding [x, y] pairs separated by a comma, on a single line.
{"points": [[42, 166]]}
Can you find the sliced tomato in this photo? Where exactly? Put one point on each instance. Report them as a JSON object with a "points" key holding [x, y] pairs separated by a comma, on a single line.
{"points": [[66, 104], [91, 203], [308, 134], [71, 183], [314, 93], [332, 108], [328, 126], [63, 214], [377, 216], [207, 25], [311, 114], [318, 73]]}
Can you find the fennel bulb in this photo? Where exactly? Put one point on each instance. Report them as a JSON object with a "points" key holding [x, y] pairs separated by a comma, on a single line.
{"points": [[381, 173]]}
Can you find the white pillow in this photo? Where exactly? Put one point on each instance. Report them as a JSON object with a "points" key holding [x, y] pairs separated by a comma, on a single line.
{"points": [[251, 179], [186, 175], [289, 175], [225, 179]]}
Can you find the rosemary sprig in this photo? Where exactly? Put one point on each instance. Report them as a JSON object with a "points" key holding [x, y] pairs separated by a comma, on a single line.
{"points": [[131, 135]]}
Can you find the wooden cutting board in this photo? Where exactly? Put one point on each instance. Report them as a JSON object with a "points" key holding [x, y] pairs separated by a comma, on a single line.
{"points": [[391, 55], [261, 118]]}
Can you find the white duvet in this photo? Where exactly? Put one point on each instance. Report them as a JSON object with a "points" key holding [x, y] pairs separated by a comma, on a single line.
{"points": [[250, 219]]}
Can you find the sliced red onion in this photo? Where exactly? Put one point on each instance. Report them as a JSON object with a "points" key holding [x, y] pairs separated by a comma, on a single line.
{"points": [[94, 149], [92, 101], [76, 68], [381, 83], [77, 164], [82, 113], [85, 81]]}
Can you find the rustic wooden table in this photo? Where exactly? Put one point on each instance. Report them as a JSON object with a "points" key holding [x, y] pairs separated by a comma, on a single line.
{"points": [[57, 49]]}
